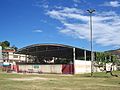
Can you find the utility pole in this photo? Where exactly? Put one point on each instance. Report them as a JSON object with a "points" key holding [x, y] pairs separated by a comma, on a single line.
{"points": [[90, 11]]}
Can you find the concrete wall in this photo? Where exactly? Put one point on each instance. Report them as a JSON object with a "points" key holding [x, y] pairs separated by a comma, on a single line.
{"points": [[85, 67], [82, 66], [1, 54], [41, 68]]}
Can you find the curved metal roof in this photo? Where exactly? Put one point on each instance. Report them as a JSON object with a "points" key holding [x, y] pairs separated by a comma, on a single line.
{"points": [[52, 50], [39, 48], [39, 45], [60, 45]]}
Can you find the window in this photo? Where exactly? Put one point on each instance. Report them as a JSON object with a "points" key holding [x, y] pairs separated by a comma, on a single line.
{"points": [[15, 56]]}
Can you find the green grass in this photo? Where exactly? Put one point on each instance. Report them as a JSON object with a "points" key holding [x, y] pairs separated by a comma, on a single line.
{"points": [[99, 81]]}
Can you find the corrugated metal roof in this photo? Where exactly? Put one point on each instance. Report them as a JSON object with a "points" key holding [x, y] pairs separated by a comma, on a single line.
{"points": [[47, 44]]}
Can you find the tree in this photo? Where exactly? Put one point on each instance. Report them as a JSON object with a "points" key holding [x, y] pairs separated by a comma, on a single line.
{"points": [[106, 57], [100, 58], [14, 47], [5, 44]]}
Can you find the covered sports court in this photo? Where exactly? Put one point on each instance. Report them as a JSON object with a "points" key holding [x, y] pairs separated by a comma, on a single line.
{"points": [[54, 58]]}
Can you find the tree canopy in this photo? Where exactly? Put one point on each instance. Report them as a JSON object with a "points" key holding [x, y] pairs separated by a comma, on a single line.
{"points": [[6, 45]]}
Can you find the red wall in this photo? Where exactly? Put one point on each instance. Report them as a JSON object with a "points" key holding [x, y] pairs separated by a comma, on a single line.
{"points": [[67, 69]]}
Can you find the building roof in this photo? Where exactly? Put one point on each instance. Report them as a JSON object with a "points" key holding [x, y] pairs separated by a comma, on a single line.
{"points": [[50, 50]]}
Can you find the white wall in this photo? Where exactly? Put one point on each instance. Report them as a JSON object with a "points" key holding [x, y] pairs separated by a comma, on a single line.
{"points": [[42, 68], [82, 66], [1, 54]]}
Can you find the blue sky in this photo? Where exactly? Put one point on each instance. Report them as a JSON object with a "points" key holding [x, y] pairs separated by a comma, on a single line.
{"points": [[26, 22]]}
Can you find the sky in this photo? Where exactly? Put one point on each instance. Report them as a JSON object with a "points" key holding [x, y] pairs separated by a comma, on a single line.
{"points": [[27, 22]]}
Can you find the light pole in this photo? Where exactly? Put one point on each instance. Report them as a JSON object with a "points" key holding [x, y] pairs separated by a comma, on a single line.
{"points": [[90, 11]]}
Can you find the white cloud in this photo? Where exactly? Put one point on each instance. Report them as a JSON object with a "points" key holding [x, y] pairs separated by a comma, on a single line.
{"points": [[65, 12], [106, 25], [77, 1], [37, 31], [112, 4], [45, 6], [41, 4]]}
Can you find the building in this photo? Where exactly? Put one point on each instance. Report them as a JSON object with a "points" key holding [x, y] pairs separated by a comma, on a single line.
{"points": [[16, 57], [54, 58], [50, 58]]}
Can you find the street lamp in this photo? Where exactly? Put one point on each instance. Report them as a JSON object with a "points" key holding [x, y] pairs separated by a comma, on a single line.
{"points": [[90, 11]]}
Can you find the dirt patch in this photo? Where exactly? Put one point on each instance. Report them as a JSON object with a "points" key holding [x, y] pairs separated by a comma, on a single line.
{"points": [[107, 85], [66, 75], [28, 79]]}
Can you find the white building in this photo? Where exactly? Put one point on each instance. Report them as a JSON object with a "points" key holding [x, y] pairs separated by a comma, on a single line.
{"points": [[16, 57], [11, 56]]}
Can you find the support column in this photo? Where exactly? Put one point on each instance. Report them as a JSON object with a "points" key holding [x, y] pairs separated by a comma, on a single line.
{"points": [[85, 55], [74, 59]]}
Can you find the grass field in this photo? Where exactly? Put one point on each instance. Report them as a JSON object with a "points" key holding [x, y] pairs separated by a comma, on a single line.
{"points": [[100, 81]]}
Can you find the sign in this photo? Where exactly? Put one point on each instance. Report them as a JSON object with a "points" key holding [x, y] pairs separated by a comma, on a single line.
{"points": [[36, 66]]}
